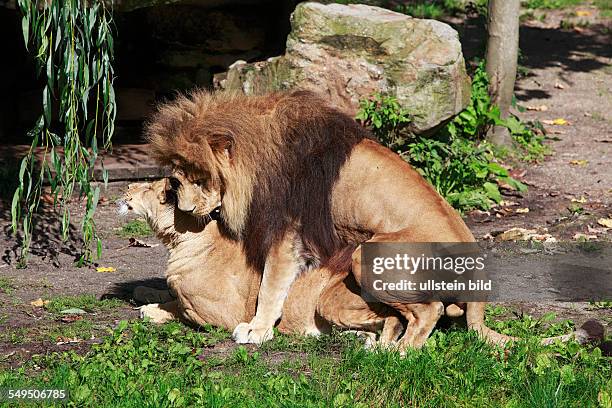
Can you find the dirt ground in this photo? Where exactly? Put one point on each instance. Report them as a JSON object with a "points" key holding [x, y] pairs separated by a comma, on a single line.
{"points": [[569, 71]]}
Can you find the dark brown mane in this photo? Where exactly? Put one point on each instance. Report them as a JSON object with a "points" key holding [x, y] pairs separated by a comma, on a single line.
{"points": [[287, 151]]}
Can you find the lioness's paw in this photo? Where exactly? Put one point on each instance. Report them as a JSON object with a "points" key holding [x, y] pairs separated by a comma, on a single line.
{"points": [[245, 333], [155, 313]]}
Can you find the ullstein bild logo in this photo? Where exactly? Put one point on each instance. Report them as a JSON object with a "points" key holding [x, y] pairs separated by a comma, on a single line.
{"points": [[421, 272]]}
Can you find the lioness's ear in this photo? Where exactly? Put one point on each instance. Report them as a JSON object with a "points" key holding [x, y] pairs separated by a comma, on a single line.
{"points": [[222, 144], [161, 196]]}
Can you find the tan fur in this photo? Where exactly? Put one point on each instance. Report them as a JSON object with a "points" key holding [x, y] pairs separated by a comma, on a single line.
{"points": [[213, 284], [313, 176]]}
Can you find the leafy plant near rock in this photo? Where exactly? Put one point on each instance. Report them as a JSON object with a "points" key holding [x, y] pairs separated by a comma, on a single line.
{"points": [[457, 161], [384, 115], [435, 9], [72, 45]]}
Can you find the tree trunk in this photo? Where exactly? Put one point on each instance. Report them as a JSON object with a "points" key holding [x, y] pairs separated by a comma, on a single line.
{"points": [[502, 57]]}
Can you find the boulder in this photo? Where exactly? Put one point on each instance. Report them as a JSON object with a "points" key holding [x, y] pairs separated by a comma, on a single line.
{"points": [[349, 52]]}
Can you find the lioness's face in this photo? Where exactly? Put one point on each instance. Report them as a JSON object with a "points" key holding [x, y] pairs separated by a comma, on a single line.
{"points": [[144, 199], [197, 196]]}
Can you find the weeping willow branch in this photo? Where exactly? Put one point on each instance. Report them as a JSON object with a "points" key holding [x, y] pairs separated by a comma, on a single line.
{"points": [[72, 44]]}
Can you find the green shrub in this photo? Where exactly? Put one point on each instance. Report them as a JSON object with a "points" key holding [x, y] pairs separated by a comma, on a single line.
{"points": [[461, 165], [386, 118], [550, 4], [435, 9]]}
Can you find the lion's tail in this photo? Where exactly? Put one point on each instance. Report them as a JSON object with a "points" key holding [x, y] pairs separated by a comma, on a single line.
{"points": [[588, 332]]}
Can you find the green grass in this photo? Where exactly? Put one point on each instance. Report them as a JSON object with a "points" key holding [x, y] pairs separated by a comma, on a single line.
{"points": [[6, 285], [170, 365], [605, 7], [14, 335], [87, 302], [135, 229], [605, 304], [81, 329], [435, 9], [551, 4]]}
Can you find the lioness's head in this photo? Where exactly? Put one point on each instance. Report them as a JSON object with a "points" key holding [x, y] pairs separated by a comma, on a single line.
{"points": [[153, 201], [156, 202]]}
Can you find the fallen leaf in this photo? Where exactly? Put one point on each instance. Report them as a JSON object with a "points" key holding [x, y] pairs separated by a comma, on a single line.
{"points": [[583, 13], [556, 132], [606, 222], [580, 163], [593, 230], [580, 200], [504, 212], [39, 302], [47, 198], [480, 216], [506, 203], [522, 210], [139, 244], [580, 236], [559, 85], [522, 234], [106, 269], [556, 122], [517, 174], [73, 311], [71, 318], [538, 108], [67, 340], [516, 234]]}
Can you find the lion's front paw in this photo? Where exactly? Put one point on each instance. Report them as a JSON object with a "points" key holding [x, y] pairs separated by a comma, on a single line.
{"points": [[246, 333], [155, 313]]}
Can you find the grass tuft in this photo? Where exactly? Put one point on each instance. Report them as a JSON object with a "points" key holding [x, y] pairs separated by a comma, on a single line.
{"points": [[135, 229], [87, 302], [6, 285]]}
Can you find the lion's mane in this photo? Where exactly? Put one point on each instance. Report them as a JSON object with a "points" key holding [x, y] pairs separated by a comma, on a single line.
{"points": [[286, 152]]}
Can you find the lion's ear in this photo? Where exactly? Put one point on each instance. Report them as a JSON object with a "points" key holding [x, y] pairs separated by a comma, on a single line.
{"points": [[222, 144]]}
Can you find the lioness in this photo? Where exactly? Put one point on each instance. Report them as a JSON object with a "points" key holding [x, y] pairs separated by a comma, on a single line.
{"points": [[213, 284], [297, 180]]}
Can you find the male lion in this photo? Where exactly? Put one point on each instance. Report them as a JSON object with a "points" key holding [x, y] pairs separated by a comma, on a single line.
{"points": [[213, 284], [297, 180]]}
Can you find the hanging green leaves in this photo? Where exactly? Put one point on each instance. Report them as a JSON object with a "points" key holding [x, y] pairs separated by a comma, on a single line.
{"points": [[72, 44]]}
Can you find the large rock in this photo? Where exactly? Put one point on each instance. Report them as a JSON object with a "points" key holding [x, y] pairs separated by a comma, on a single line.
{"points": [[349, 52]]}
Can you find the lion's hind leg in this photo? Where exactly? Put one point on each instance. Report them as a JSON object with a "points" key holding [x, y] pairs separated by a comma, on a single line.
{"points": [[422, 317], [342, 306]]}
